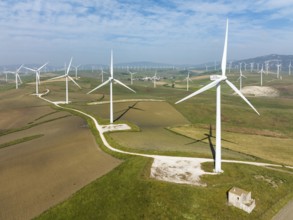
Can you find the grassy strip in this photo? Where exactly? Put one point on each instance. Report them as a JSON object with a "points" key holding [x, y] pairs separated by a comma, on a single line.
{"points": [[9, 131], [97, 135], [128, 193], [20, 140]]}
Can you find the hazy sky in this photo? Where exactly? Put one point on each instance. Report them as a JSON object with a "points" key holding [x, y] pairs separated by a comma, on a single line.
{"points": [[174, 31]]}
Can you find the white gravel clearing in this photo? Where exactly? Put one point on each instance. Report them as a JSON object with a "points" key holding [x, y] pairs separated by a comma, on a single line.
{"points": [[179, 170], [260, 91], [115, 127]]}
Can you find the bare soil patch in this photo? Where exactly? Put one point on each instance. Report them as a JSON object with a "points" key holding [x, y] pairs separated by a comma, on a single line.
{"points": [[42, 172], [178, 170], [260, 91]]}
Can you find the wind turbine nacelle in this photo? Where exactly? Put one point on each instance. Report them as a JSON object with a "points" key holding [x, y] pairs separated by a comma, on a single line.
{"points": [[215, 77]]}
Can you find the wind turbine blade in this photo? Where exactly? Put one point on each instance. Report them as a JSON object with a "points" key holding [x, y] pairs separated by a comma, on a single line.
{"points": [[224, 59], [244, 76], [42, 66], [19, 79], [122, 84], [19, 68], [68, 68], [241, 95], [99, 86], [207, 87], [111, 64], [73, 81], [29, 69], [58, 77]]}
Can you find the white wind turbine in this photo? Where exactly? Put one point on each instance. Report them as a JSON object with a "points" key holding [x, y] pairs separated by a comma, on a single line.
{"points": [[38, 78], [251, 67], [76, 67], [278, 70], [230, 66], [187, 81], [217, 80], [17, 77], [155, 78], [111, 80], [131, 75], [66, 76], [267, 63], [240, 79], [102, 74], [245, 64], [290, 68], [261, 74]]}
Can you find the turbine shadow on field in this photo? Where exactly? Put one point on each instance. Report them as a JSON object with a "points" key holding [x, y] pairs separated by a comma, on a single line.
{"points": [[126, 110], [209, 137]]}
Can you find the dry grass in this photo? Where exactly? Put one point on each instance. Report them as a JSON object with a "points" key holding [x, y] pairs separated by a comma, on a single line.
{"points": [[270, 148]]}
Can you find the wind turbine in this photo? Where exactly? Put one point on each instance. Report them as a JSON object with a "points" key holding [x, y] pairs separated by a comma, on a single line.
{"points": [[290, 68], [111, 80], [230, 65], [17, 77], [261, 74], [267, 63], [187, 81], [245, 64], [76, 67], [217, 80], [240, 78], [251, 67], [102, 74], [38, 80], [131, 75], [155, 78], [278, 70], [66, 76]]}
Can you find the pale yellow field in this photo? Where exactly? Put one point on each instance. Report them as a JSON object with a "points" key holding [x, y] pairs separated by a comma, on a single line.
{"points": [[276, 149]]}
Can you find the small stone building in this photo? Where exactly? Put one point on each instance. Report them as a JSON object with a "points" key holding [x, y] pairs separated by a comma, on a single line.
{"points": [[241, 199]]}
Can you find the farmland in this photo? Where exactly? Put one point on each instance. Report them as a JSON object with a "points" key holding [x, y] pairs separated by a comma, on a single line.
{"points": [[162, 128]]}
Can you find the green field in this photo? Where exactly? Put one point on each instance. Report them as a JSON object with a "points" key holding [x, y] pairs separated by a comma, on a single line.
{"points": [[183, 130]]}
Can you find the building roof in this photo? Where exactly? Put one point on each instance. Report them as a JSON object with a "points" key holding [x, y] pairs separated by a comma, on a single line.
{"points": [[238, 191]]}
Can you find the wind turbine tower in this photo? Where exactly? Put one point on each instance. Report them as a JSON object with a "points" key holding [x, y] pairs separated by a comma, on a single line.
{"points": [[17, 77], [290, 68], [240, 79], [76, 67], [261, 74], [110, 81], [187, 81], [217, 80], [278, 70], [38, 76], [251, 67], [66, 76], [131, 75], [155, 78]]}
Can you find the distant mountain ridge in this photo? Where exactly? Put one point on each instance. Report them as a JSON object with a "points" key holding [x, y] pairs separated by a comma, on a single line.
{"points": [[273, 58]]}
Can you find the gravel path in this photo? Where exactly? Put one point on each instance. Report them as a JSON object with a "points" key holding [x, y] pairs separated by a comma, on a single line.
{"points": [[159, 168]]}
